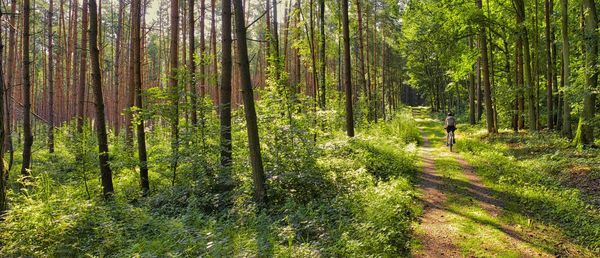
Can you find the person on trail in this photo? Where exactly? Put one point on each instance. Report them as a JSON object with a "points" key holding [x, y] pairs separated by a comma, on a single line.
{"points": [[450, 126]]}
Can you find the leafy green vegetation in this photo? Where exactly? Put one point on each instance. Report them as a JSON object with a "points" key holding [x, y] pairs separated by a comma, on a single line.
{"points": [[529, 172], [350, 197]]}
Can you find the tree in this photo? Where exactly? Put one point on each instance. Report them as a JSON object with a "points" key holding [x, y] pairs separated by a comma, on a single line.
{"points": [[489, 112], [591, 38], [566, 127], [258, 174], [27, 135], [3, 201], [192, 63], [323, 62], [347, 70], [225, 90], [137, 84], [549, 66], [82, 69], [174, 87], [105, 171], [532, 121], [50, 80], [361, 47], [118, 67]]}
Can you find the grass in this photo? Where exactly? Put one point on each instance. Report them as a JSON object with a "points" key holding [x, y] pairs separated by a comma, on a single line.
{"points": [[527, 172]]}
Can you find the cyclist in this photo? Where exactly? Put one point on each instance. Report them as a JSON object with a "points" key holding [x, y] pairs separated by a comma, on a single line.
{"points": [[450, 126]]}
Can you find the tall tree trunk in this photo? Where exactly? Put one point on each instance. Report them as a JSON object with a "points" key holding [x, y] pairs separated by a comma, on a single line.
{"points": [[137, 84], [527, 65], [591, 71], [566, 128], [118, 67], [8, 93], [203, 68], [549, 67], [213, 49], [489, 112], [105, 171], [27, 135], [323, 55], [225, 92], [361, 46], [174, 87], [3, 201], [472, 120], [191, 63], [82, 69], [258, 174], [50, 80], [347, 70]]}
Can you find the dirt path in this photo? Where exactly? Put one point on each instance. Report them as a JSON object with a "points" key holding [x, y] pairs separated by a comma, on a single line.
{"points": [[460, 215]]}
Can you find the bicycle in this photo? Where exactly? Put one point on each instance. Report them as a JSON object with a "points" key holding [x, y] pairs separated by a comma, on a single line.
{"points": [[450, 140]]}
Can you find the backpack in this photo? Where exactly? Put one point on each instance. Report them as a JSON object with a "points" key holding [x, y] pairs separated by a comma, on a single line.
{"points": [[451, 121]]}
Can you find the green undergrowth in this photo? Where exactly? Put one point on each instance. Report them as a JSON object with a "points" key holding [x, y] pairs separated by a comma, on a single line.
{"points": [[338, 197], [529, 172]]}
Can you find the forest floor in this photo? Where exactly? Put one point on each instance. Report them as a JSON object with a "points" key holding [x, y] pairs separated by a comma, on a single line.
{"points": [[462, 216]]}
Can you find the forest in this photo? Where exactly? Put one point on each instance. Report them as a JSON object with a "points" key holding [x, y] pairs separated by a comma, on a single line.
{"points": [[247, 128]]}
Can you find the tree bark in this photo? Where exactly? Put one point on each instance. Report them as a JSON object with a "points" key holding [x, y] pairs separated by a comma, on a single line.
{"points": [[50, 80], [82, 69], [137, 84], [3, 201], [27, 135], [566, 128], [174, 87], [591, 71], [549, 67], [323, 62], [472, 120], [225, 92], [347, 70], [489, 112], [105, 171], [117, 71], [192, 64], [361, 46], [258, 174]]}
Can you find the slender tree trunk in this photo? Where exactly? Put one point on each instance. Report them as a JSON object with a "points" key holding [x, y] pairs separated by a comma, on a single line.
{"points": [[27, 135], [203, 68], [117, 82], [225, 92], [591, 71], [137, 84], [489, 112], [82, 69], [191, 63], [8, 93], [105, 171], [549, 67], [361, 46], [50, 80], [258, 174], [174, 87], [213, 48], [347, 70], [566, 128], [323, 55], [472, 120], [3, 201], [527, 65]]}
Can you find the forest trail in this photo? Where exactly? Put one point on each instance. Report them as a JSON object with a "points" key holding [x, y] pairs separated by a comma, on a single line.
{"points": [[460, 215]]}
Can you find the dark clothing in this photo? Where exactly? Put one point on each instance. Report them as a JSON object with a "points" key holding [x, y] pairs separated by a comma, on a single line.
{"points": [[450, 128]]}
